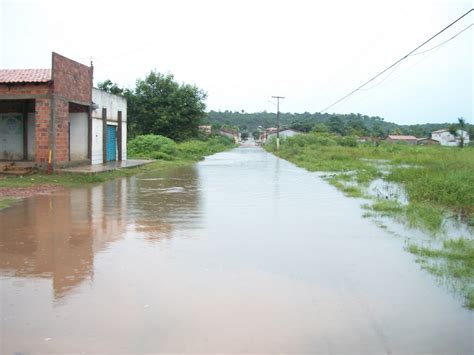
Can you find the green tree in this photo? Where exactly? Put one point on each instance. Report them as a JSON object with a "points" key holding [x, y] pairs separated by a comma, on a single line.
{"points": [[337, 125], [458, 130], [110, 87], [159, 105]]}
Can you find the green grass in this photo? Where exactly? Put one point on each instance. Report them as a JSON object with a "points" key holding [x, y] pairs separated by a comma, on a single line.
{"points": [[438, 181], [387, 207], [440, 177], [6, 202], [73, 180], [186, 153], [454, 262]]}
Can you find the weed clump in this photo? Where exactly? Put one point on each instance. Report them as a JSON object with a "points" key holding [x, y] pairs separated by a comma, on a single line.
{"points": [[152, 146], [454, 261]]}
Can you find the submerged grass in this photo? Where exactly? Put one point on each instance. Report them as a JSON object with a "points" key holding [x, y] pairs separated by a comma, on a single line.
{"points": [[433, 175], [437, 180], [6, 202], [454, 262]]}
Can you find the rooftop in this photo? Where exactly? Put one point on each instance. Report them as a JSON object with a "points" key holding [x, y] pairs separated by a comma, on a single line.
{"points": [[401, 137], [25, 76]]}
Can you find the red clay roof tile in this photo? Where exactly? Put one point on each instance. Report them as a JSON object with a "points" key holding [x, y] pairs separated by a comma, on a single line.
{"points": [[25, 75]]}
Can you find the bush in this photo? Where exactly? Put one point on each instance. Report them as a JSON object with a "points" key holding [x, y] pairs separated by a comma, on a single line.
{"points": [[347, 141], [152, 146], [196, 149]]}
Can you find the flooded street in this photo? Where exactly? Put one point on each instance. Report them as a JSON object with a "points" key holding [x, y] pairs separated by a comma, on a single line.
{"points": [[242, 252]]}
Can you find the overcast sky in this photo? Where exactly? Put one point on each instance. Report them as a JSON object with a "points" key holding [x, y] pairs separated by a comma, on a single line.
{"points": [[243, 52]]}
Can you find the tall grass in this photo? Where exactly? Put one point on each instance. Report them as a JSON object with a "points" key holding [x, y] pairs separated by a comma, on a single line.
{"points": [[453, 261], [436, 179], [440, 176]]}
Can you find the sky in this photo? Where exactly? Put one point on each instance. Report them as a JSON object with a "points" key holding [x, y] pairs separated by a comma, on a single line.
{"points": [[243, 52]]}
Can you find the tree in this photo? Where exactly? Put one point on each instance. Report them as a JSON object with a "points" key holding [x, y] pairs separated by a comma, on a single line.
{"points": [[159, 105], [336, 125], [110, 87], [457, 130]]}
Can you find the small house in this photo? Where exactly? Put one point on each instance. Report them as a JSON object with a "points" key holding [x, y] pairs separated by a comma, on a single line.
{"points": [[446, 138], [55, 118], [272, 133], [206, 129], [412, 140]]}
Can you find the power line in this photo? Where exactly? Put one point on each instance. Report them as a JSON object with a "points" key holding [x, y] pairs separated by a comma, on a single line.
{"points": [[398, 61], [450, 39], [415, 54]]}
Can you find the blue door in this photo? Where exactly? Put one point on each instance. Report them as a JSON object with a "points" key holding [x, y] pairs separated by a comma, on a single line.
{"points": [[111, 143]]}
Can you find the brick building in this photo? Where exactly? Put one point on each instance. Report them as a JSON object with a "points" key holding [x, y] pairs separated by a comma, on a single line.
{"points": [[48, 115]]}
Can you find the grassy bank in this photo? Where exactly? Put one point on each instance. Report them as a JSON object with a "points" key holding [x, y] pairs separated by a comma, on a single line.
{"points": [[438, 182], [431, 175], [183, 153]]}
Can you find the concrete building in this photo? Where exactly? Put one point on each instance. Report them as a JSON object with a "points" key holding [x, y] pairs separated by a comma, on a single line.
{"points": [[54, 117], [232, 134], [446, 138], [270, 133]]}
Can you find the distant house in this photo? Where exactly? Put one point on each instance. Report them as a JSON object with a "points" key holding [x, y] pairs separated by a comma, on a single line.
{"points": [[412, 140], [272, 133], [233, 134], [206, 129], [365, 139], [54, 117], [427, 141], [446, 138]]}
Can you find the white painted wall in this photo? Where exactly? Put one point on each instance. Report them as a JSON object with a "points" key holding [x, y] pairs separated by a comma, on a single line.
{"points": [[447, 139], [97, 142], [113, 104], [284, 134], [79, 134]]}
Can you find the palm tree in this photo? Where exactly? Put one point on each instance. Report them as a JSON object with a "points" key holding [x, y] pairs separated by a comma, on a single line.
{"points": [[457, 130]]}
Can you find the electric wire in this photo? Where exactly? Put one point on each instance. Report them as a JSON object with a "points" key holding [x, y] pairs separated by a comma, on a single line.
{"points": [[397, 62]]}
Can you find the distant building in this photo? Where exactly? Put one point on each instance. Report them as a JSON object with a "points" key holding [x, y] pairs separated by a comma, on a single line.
{"points": [[206, 129], [446, 138], [272, 133], [55, 117], [427, 141], [365, 139], [233, 134], [399, 138]]}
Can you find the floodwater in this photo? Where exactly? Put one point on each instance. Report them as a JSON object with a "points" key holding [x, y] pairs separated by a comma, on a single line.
{"points": [[242, 252]]}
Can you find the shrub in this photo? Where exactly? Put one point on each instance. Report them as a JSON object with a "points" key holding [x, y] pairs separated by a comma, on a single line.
{"points": [[152, 146]]}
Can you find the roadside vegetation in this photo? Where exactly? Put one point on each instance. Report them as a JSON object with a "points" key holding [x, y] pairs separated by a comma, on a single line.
{"points": [[164, 152], [437, 184], [452, 262], [438, 177]]}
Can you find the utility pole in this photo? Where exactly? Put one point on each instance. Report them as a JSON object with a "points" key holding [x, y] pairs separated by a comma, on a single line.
{"points": [[278, 120]]}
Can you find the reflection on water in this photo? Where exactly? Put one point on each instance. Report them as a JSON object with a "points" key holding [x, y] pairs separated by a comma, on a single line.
{"points": [[57, 236], [240, 253]]}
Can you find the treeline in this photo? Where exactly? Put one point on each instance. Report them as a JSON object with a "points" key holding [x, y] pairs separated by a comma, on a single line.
{"points": [[343, 124]]}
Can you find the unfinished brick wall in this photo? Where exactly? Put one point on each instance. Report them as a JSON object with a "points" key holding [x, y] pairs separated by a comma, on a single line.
{"points": [[42, 125], [62, 131], [72, 80], [18, 89]]}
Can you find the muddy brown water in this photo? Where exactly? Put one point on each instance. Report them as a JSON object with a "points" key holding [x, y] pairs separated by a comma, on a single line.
{"points": [[242, 252]]}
